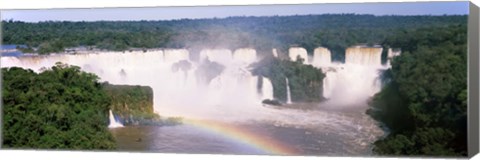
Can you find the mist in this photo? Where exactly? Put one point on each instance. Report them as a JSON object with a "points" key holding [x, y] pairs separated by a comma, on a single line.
{"points": [[219, 84]]}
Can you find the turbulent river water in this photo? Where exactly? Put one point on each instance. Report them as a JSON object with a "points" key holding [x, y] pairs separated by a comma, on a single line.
{"points": [[226, 115], [316, 131]]}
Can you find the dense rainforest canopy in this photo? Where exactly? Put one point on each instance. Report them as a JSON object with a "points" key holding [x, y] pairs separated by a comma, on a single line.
{"points": [[334, 31], [59, 108], [424, 100]]}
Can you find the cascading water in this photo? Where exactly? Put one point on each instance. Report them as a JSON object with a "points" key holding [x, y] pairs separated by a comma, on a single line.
{"points": [[356, 79], [289, 97], [363, 55], [274, 52], [235, 86], [245, 55], [176, 91], [329, 83], [223, 56], [321, 57], [267, 89], [295, 52], [175, 55], [113, 122]]}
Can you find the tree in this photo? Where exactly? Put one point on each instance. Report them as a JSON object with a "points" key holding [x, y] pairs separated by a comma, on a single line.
{"points": [[424, 100], [59, 108]]}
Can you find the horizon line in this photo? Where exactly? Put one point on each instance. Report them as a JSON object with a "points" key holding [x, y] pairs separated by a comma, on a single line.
{"points": [[239, 16]]}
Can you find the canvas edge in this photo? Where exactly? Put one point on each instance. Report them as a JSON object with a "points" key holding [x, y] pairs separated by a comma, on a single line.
{"points": [[473, 80]]}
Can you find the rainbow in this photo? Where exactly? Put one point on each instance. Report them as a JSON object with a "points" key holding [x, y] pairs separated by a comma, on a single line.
{"points": [[239, 135]]}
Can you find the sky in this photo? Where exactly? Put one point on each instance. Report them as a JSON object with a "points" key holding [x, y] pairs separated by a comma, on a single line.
{"points": [[168, 13]]}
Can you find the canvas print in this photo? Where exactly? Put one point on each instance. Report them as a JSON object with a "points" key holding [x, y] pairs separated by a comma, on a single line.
{"points": [[359, 79]]}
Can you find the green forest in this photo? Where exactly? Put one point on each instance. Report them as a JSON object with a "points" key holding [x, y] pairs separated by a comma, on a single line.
{"points": [[424, 100], [334, 31], [59, 108], [64, 107]]}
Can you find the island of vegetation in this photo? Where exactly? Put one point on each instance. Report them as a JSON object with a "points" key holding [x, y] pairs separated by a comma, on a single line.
{"points": [[305, 81], [133, 105], [59, 108], [66, 108]]}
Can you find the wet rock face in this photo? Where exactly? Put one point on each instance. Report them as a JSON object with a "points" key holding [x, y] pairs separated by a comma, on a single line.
{"points": [[272, 102]]}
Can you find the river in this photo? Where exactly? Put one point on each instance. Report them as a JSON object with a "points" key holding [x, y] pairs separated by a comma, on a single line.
{"points": [[318, 131]]}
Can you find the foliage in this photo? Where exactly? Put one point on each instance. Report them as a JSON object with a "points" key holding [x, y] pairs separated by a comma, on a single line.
{"points": [[305, 81], [59, 108], [26, 49], [131, 103], [424, 102], [334, 31]]}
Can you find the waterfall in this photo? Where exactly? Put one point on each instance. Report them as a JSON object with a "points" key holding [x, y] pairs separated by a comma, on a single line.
{"points": [[321, 57], [267, 89], [222, 56], [289, 98], [113, 122], [274, 52], [233, 91], [328, 83], [364, 55], [357, 78], [176, 91], [245, 55], [294, 52], [175, 55]]}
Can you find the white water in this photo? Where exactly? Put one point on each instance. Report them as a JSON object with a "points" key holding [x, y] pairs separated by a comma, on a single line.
{"points": [[363, 56], [274, 52], [113, 121], [329, 83], [321, 57], [289, 97], [267, 89], [294, 52], [223, 56], [351, 83], [245, 55], [178, 93], [175, 55]]}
